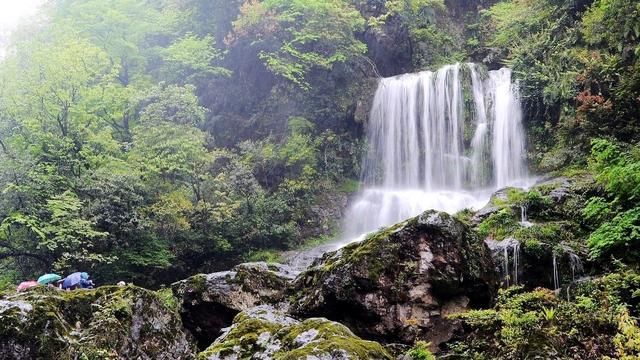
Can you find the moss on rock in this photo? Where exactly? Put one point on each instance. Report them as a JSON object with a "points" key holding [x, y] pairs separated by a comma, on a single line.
{"points": [[553, 229], [266, 333], [209, 302], [105, 323], [395, 284]]}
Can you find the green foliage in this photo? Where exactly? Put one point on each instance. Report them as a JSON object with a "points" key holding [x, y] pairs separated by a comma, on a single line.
{"points": [[577, 63], [420, 351], [298, 36], [618, 171], [537, 324], [191, 57], [499, 225], [172, 104], [616, 223], [627, 340], [513, 19], [597, 210], [112, 155], [613, 24], [434, 40], [620, 235], [539, 238]]}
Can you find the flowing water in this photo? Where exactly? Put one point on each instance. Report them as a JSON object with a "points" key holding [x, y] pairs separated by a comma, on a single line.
{"points": [[441, 140], [556, 277], [524, 220], [507, 256]]}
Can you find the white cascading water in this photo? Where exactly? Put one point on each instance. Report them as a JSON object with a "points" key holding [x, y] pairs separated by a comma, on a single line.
{"points": [[431, 149]]}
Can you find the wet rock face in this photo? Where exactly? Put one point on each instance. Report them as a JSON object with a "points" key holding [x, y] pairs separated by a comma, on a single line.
{"points": [[398, 284], [110, 322], [535, 237], [209, 302], [266, 333]]}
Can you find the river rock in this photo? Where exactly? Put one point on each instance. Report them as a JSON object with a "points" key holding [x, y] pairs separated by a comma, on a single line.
{"points": [[209, 302], [266, 333], [106, 323], [399, 284]]}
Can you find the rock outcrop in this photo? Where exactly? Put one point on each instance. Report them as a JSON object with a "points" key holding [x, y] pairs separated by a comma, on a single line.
{"points": [[534, 233], [266, 333], [209, 302], [106, 323], [400, 283]]}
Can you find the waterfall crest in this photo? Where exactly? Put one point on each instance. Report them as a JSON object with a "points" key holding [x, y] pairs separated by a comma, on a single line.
{"points": [[439, 140]]}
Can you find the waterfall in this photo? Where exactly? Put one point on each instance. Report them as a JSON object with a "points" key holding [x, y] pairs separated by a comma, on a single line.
{"points": [[506, 252], [508, 140], [439, 140]]}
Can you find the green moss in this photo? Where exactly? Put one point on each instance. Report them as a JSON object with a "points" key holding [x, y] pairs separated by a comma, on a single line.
{"points": [[358, 349], [244, 334], [499, 225], [464, 216], [243, 339], [541, 236], [90, 324], [197, 283], [168, 299]]}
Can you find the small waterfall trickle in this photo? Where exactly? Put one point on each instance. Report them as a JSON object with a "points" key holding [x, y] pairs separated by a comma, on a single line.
{"points": [[576, 265], [524, 221], [507, 254], [430, 149], [556, 278]]}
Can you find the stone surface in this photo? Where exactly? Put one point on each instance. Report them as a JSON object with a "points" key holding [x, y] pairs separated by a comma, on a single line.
{"points": [[551, 235], [266, 333], [209, 302], [106, 323], [395, 285], [494, 205]]}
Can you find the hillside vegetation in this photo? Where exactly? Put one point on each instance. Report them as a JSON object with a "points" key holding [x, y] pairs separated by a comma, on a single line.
{"points": [[152, 140]]}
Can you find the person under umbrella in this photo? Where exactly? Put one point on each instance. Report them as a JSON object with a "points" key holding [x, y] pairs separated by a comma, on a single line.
{"points": [[77, 280], [47, 279], [25, 285]]}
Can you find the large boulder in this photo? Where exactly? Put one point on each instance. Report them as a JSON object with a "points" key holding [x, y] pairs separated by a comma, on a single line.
{"points": [[209, 302], [399, 284], [266, 333], [106, 323]]}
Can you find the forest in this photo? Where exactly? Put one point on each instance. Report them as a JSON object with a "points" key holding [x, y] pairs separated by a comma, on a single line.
{"points": [[151, 140]]}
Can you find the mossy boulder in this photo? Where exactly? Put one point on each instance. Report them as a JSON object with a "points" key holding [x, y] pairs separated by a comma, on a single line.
{"points": [[397, 285], [209, 302], [106, 323], [266, 333], [553, 231]]}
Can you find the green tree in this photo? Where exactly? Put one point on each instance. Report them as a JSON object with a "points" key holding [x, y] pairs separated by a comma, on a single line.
{"points": [[298, 36]]}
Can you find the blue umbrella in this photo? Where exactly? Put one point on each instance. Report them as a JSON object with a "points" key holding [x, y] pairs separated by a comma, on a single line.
{"points": [[48, 279], [72, 280]]}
